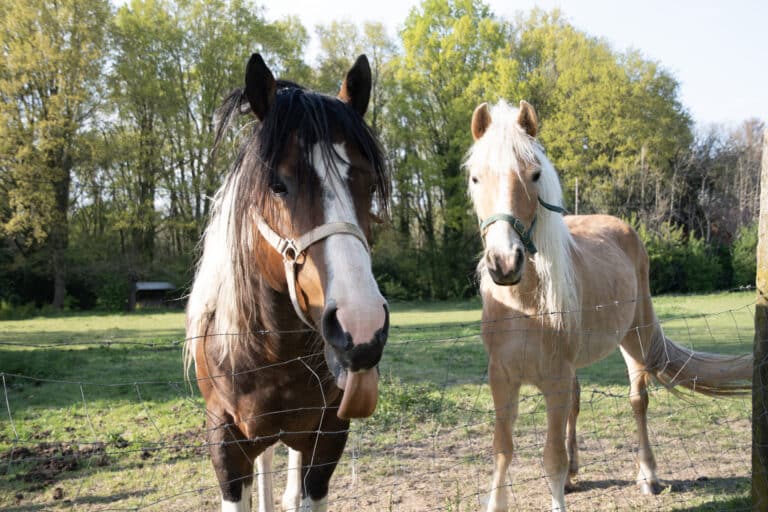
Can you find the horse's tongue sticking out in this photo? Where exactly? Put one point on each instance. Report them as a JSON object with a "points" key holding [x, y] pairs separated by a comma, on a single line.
{"points": [[361, 392], [364, 333]]}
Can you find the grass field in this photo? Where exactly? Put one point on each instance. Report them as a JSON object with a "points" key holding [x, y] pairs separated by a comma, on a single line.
{"points": [[95, 415]]}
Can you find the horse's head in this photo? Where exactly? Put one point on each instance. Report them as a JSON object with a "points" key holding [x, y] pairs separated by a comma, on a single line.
{"points": [[317, 169], [507, 177]]}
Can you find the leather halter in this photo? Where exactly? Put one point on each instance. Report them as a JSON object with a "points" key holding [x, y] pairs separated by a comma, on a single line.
{"points": [[518, 226], [291, 250]]}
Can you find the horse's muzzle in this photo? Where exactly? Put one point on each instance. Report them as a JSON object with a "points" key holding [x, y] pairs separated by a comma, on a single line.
{"points": [[505, 267], [354, 355], [354, 363]]}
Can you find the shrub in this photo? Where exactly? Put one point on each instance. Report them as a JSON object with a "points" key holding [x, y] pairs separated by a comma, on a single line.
{"points": [[680, 263], [112, 295], [744, 255]]}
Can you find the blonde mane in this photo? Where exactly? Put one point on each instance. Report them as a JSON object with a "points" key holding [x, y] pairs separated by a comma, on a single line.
{"points": [[499, 150]]}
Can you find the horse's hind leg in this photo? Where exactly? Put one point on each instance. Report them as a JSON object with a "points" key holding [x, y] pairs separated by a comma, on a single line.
{"points": [[647, 480], [232, 462], [265, 479], [292, 494], [506, 394], [571, 445]]}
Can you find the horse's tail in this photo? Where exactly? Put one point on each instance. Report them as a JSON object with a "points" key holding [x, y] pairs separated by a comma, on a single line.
{"points": [[710, 374]]}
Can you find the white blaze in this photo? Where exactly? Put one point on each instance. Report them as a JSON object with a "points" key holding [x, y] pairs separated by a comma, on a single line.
{"points": [[350, 280], [499, 234]]}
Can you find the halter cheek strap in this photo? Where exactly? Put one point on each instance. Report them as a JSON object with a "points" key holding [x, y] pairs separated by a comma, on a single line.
{"points": [[525, 234], [291, 250]]}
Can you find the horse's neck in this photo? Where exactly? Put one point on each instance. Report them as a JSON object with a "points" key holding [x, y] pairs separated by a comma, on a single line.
{"points": [[276, 315]]}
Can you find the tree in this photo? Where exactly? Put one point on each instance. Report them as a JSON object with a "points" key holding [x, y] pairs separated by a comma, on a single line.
{"points": [[52, 56], [614, 121], [449, 47], [147, 41]]}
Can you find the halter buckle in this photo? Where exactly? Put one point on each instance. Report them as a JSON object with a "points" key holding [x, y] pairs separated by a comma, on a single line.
{"points": [[289, 252]]}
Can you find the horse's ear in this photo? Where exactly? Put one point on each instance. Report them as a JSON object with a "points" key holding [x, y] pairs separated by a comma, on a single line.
{"points": [[481, 120], [356, 88], [527, 119], [260, 86]]}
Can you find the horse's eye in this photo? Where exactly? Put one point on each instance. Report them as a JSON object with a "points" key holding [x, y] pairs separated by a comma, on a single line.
{"points": [[475, 180], [278, 187], [536, 176]]}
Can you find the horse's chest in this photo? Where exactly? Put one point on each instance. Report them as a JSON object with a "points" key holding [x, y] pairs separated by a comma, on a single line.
{"points": [[275, 402]]}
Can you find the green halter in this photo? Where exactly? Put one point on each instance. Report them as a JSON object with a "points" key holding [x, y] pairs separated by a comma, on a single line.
{"points": [[518, 226]]}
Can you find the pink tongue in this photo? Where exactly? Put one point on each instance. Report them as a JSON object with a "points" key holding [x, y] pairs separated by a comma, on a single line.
{"points": [[361, 393]]}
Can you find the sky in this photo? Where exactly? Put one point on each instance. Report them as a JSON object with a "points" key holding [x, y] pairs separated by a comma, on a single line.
{"points": [[716, 49]]}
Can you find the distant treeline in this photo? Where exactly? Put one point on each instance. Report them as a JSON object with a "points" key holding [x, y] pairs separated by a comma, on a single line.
{"points": [[107, 115]]}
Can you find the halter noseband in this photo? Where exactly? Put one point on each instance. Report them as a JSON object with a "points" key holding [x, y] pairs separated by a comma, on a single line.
{"points": [[518, 226], [291, 250]]}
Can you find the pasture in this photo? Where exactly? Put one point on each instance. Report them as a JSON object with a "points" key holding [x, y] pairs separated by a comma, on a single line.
{"points": [[95, 415]]}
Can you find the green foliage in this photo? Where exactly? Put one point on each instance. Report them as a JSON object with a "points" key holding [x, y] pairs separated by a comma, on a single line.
{"points": [[105, 173], [10, 311], [744, 254], [612, 120], [113, 294], [680, 263]]}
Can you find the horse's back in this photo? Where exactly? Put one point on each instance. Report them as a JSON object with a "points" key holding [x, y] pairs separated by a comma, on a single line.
{"points": [[611, 240]]}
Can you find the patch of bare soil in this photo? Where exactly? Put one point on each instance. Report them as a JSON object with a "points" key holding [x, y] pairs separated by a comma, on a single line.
{"points": [[42, 464]]}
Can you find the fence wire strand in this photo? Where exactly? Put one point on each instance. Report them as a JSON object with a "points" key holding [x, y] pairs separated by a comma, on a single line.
{"points": [[427, 448]]}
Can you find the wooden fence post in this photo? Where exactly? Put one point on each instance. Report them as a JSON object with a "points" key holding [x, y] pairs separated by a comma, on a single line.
{"points": [[760, 374]]}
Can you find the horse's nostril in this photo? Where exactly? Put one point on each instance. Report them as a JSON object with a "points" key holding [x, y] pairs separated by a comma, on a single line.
{"points": [[492, 260], [332, 331]]}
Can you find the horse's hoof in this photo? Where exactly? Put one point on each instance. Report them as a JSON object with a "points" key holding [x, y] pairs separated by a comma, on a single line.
{"points": [[650, 488], [571, 487]]}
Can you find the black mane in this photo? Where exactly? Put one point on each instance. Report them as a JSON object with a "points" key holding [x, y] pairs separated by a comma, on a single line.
{"points": [[296, 115]]}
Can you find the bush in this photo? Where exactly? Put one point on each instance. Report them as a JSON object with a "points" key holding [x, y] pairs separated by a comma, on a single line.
{"points": [[744, 256], [112, 295], [702, 267], [9, 311], [680, 263]]}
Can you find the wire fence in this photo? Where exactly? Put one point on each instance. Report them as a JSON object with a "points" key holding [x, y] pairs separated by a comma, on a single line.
{"points": [[110, 423]]}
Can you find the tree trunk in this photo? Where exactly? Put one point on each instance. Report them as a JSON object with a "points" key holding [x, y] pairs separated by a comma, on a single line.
{"points": [[59, 235], [760, 375]]}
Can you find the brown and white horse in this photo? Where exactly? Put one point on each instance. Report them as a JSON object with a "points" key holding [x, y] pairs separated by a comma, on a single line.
{"points": [[285, 321], [560, 293]]}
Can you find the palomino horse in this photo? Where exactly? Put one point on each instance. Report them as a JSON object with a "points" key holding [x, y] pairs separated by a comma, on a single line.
{"points": [[285, 321], [560, 293]]}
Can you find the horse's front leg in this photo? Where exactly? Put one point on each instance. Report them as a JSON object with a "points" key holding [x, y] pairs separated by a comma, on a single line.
{"points": [[319, 454], [232, 458], [506, 391], [557, 389]]}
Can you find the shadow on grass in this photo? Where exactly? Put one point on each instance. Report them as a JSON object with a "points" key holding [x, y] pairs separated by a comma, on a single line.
{"points": [[81, 500], [713, 486], [33, 339]]}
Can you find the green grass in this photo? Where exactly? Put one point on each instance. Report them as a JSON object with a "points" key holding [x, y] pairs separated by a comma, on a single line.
{"points": [[99, 408]]}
